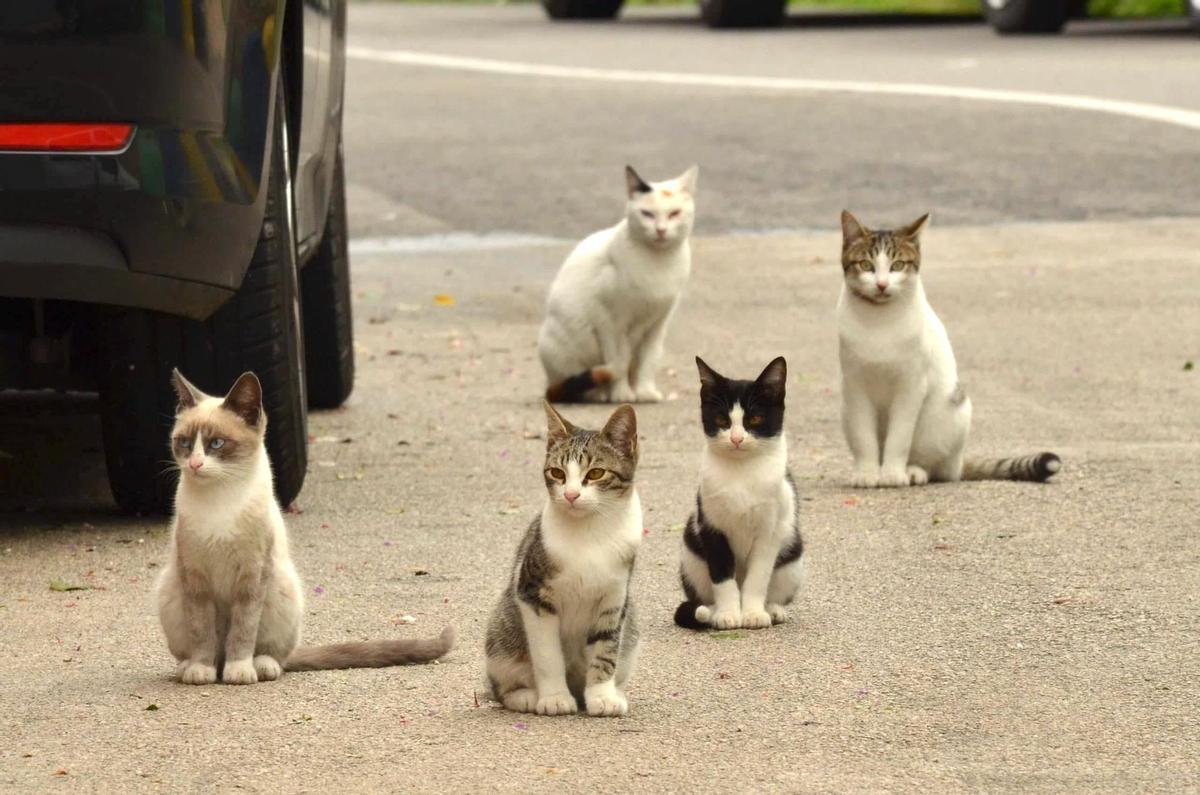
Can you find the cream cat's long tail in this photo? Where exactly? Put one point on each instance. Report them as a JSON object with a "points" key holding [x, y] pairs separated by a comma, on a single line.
{"points": [[1038, 467], [370, 653]]}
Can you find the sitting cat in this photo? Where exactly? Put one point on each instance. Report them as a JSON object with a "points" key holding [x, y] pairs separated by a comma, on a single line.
{"points": [[564, 634], [229, 598], [610, 303], [904, 412], [741, 559]]}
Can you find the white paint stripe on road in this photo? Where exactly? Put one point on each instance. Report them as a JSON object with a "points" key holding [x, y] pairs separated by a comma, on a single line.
{"points": [[1164, 114], [450, 242]]}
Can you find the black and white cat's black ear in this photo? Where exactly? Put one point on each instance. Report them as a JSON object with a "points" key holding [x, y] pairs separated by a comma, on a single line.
{"points": [[772, 381], [185, 390], [635, 184], [914, 229], [687, 180], [621, 430], [557, 428], [709, 378], [245, 398], [852, 230]]}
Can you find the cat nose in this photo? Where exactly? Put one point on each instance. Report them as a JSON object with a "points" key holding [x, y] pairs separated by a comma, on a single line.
{"points": [[662, 231], [737, 439], [881, 286], [195, 463], [571, 496]]}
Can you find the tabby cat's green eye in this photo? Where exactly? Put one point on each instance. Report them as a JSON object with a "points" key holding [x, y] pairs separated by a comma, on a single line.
{"points": [[899, 266], [866, 266], [556, 473], [595, 474]]}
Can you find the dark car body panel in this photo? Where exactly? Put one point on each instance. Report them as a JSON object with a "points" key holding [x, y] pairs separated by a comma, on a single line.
{"points": [[182, 205]]}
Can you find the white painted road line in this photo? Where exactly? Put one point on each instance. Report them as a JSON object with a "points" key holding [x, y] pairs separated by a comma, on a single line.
{"points": [[1164, 114]]}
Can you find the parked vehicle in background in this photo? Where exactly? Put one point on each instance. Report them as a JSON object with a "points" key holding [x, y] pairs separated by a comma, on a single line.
{"points": [[171, 195]]}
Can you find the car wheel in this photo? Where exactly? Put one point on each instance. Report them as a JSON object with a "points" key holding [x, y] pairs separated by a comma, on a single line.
{"points": [[325, 287], [743, 13], [258, 329], [1027, 16], [1194, 14], [582, 9]]}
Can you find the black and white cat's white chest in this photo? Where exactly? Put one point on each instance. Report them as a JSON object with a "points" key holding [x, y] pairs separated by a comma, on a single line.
{"points": [[747, 499]]}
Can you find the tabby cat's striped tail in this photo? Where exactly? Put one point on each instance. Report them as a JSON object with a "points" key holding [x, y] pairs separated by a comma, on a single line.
{"points": [[370, 653], [1038, 467]]}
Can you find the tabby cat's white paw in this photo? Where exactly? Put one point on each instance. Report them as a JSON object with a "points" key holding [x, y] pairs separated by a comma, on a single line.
{"points": [[196, 673], [726, 619], [610, 704], [865, 478], [756, 618], [523, 700], [778, 614], [557, 704], [267, 668], [239, 672], [917, 476], [893, 478]]}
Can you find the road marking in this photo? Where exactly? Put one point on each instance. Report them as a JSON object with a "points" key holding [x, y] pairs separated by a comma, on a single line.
{"points": [[1146, 111], [449, 242]]}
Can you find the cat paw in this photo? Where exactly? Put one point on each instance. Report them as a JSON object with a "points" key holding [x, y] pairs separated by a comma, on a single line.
{"points": [[756, 618], [726, 619], [917, 476], [523, 700], [267, 668], [865, 478], [893, 478], [239, 672], [557, 704], [196, 673], [648, 394], [607, 704], [778, 614]]}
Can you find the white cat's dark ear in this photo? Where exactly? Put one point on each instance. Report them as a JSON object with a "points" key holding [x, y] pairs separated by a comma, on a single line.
{"points": [[557, 428], [635, 184], [915, 229], [187, 393], [687, 180], [245, 398], [621, 430], [709, 378], [772, 381], [852, 230]]}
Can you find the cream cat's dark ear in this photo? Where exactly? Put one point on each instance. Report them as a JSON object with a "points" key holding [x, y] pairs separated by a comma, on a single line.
{"points": [[687, 181], [245, 398], [852, 230], [635, 184], [915, 229], [187, 393], [557, 428], [621, 430], [772, 381]]}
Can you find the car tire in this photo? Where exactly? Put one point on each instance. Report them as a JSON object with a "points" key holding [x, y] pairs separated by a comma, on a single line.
{"points": [[325, 288], [582, 9], [1027, 16], [743, 13], [1194, 14], [258, 328]]}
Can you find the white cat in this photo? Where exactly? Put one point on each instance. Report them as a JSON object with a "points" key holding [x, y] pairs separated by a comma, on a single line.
{"points": [[904, 412], [611, 301]]}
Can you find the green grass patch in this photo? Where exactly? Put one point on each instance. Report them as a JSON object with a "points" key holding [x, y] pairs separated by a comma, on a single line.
{"points": [[732, 634]]}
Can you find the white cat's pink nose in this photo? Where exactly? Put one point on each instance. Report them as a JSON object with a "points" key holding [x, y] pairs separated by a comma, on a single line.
{"points": [[195, 463], [661, 230], [571, 496]]}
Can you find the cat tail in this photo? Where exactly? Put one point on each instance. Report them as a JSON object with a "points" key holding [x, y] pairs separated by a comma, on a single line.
{"points": [[685, 615], [1038, 467], [575, 388], [370, 653]]}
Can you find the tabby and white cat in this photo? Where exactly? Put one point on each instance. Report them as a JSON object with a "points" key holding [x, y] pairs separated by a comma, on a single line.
{"points": [[609, 305], [229, 598], [564, 634], [905, 415], [741, 559]]}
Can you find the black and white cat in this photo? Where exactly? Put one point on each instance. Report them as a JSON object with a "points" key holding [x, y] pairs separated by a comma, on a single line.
{"points": [[741, 559]]}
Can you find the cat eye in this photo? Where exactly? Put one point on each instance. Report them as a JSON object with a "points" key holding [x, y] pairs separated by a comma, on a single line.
{"points": [[899, 266], [674, 213], [755, 421], [216, 444], [184, 442], [866, 266], [595, 474], [557, 474], [722, 422], [647, 214]]}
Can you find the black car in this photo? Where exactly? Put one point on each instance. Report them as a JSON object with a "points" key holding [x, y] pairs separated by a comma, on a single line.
{"points": [[171, 195]]}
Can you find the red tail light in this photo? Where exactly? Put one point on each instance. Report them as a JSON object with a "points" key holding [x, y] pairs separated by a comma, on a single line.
{"points": [[84, 137]]}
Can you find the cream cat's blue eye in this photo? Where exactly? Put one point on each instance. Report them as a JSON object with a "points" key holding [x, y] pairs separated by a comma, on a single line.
{"points": [[186, 444], [217, 444]]}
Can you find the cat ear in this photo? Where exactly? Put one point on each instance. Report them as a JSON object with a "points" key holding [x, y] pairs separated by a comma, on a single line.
{"points": [[621, 430], [635, 184], [188, 394], [687, 180], [772, 382], [852, 230], [914, 229], [245, 398], [557, 428], [709, 378]]}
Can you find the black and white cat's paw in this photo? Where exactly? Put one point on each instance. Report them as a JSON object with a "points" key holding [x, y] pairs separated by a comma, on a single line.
{"points": [[605, 701], [557, 704], [191, 672], [267, 668], [523, 700], [755, 618], [239, 672], [723, 619], [894, 478], [865, 477], [917, 476]]}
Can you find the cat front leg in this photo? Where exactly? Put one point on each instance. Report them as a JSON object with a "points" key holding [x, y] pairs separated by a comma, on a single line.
{"points": [[602, 652], [861, 427], [618, 355], [901, 422], [549, 669], [245, 611], [760, 565], [199, 613], [727, 608], [646, 359]]}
